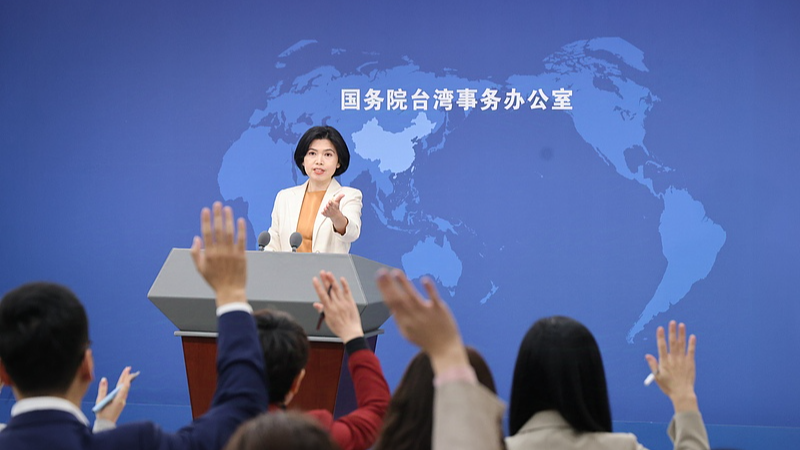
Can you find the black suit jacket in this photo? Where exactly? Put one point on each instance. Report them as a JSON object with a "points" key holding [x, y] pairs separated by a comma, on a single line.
{"points": [[241, 394]]}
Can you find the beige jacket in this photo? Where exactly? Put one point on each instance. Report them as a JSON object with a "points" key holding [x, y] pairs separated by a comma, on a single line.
{"points": [[548, 430], [467, 416], [286, 212]]}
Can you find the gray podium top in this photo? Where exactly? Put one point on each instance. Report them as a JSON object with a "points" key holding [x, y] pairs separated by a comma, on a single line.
{"points": [[275, 280]]}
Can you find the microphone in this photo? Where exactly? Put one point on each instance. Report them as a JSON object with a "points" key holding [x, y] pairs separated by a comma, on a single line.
{"points": [[295, 239], [263, 240]]}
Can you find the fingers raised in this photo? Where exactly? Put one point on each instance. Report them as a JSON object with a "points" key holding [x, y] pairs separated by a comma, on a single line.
{"points": [[346, 288], [322, 291], [228, 231], [408, 289], [205, 224], [673, 338], [662, 344], [333, 287], [433, 293], [102, 389], [124, 375], [652, 362], [218, 226], [388, 288]]}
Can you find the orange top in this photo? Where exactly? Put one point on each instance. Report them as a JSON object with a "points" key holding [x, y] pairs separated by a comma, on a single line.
{"points": [[308, 214]]}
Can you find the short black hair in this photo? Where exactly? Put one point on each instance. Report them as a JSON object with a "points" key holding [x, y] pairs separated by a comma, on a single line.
{"points": [[559, 367], [44, 334], [285, 347], [323, 132]]}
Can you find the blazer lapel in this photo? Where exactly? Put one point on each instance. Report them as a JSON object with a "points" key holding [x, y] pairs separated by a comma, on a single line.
{"points": [[293, 207]]}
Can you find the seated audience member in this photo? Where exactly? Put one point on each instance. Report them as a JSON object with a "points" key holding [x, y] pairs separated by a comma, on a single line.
{"points": [[45, 358], [409, 420], [286, 349], [466, 415], [559, 397], [282, 431]]}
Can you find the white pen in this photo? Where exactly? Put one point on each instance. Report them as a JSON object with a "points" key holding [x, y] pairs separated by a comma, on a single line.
{"points": [[107, 399], [650, 378]]}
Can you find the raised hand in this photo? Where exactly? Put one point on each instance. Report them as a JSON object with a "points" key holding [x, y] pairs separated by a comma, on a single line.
{"points": [[113, 410], [222, 263], [428, 324], [674, 369], [341, 312]]}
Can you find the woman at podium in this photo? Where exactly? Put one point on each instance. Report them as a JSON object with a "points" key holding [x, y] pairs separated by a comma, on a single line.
{"points": [[326, 214]]}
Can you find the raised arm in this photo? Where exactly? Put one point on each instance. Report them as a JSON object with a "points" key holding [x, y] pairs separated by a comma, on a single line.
{"points": [[466, 414], [359, 429], [428, 324], [241, 392]]}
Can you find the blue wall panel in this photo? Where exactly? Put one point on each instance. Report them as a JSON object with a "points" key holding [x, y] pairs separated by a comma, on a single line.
{"points": [[666, 192]]}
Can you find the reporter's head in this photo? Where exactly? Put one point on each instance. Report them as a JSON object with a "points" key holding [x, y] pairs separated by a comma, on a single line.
{"points": [[559, 367], [44, 338], [281, 431], [286, 348]]}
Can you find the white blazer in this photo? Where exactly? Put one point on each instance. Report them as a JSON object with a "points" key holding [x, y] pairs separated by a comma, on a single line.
{"points": [[286, 212]]}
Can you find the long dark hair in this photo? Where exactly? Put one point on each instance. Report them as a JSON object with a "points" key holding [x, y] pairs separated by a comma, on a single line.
{"points": [[408, 424], [559, 367]]}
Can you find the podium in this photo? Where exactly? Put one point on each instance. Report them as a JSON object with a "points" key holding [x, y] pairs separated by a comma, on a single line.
{"points": [[279, 281]]}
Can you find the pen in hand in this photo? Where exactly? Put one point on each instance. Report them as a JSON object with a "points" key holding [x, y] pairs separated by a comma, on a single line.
{"points": [[108, 398], [322, 314]]}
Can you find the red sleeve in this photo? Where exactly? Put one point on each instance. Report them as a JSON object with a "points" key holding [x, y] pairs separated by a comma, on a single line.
{"points": [[359, 429]]}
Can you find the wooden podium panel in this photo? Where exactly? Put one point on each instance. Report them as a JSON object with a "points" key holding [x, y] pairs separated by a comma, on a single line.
{"points": [[200, 358], [327, 384]]}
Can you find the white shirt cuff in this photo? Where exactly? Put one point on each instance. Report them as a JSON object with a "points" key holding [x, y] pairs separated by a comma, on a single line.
{"points": [[238, 306]]}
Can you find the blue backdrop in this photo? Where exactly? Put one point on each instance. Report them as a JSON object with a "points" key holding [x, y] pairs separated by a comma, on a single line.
{"points": [[622, 164]]}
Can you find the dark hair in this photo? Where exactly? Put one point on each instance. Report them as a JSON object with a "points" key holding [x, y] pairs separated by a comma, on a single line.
{"points": [[281, 431], [408, 423], [44, 334], [323, 132], [285, 347], [559, 367]]}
